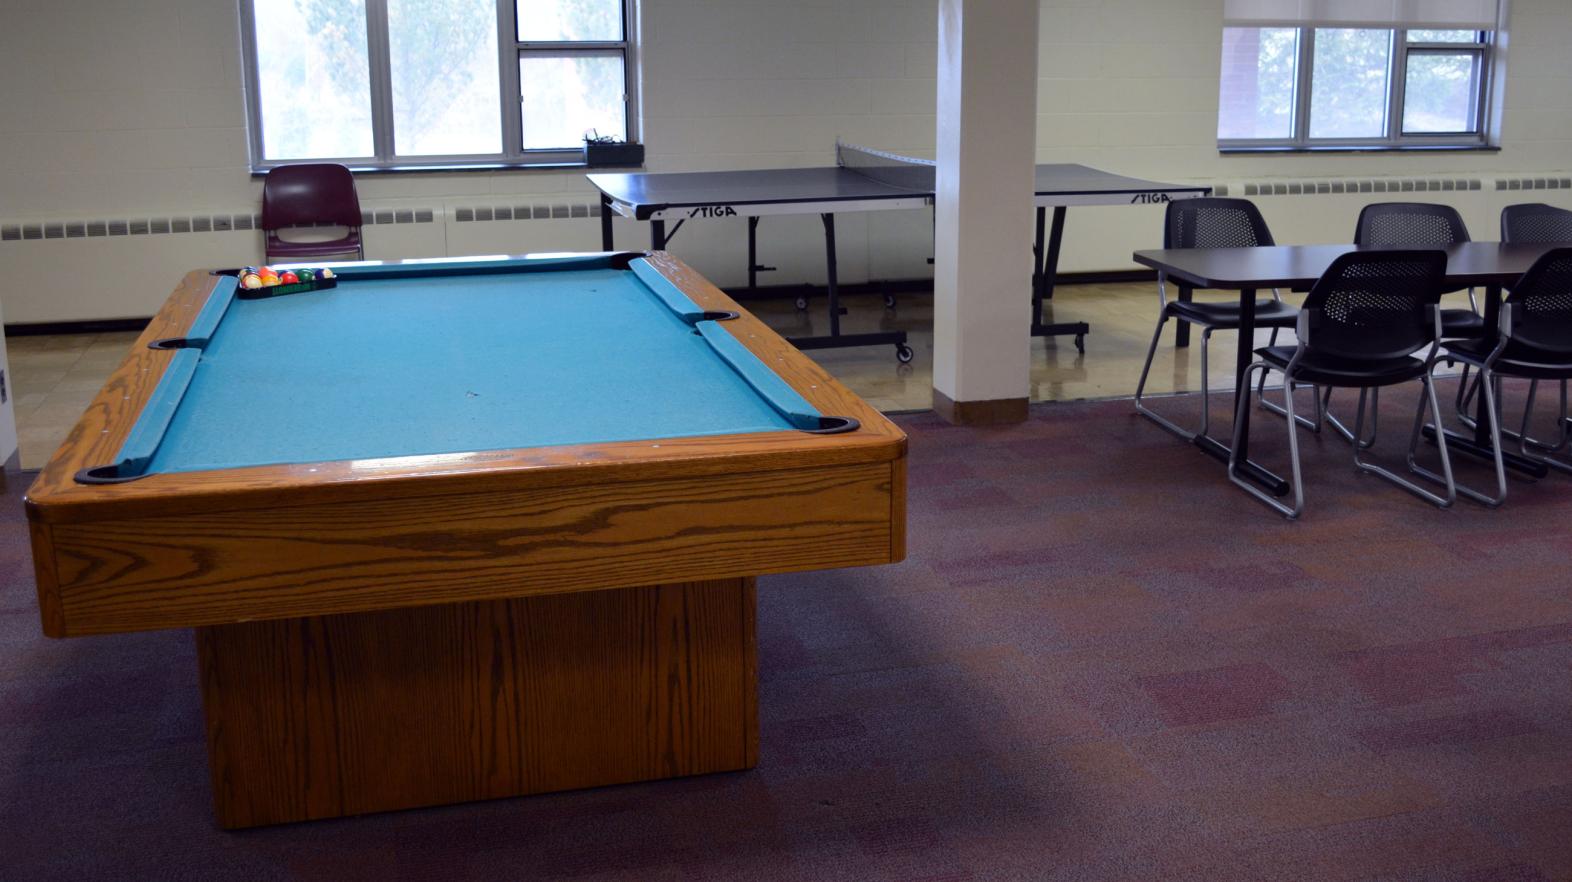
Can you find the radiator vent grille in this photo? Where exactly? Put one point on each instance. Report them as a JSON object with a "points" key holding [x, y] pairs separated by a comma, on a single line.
{"points": [[483, 213], [1323, 187], [201, 223]]}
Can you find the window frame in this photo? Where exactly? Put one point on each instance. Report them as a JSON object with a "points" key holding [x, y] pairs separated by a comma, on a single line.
{"points": [[510, 49], [1484, 47]]}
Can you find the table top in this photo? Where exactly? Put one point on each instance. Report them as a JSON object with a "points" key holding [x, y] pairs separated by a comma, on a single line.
{"points": [[418, 362], [421, 377], [1283, 266], [646, 195]]}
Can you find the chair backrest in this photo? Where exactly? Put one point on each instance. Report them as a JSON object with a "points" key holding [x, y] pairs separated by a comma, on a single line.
{"points": [[311, 193], [1375, 304], [1535, 222], [1541, 303], [1214, 222], [1409, 225]]}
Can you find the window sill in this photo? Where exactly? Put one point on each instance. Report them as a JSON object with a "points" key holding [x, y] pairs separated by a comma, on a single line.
{"points": [[463, 168], [1383, 148]]}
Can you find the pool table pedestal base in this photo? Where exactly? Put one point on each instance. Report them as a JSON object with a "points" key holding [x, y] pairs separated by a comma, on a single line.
{"points": [[365, 712]]}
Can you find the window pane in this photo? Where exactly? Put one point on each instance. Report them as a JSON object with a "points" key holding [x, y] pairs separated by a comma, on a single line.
{"points": [[446, 96], [313, 79], [1259, 72], [1440, 93], [567, 95], [569, 19], [1443, 36], [1349, 96]]}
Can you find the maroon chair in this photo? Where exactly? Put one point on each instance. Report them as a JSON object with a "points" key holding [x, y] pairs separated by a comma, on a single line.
{"points": [[306, 195]]}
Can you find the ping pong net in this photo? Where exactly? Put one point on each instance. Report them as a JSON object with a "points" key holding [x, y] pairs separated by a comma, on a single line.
{"points": [[892, 169]]}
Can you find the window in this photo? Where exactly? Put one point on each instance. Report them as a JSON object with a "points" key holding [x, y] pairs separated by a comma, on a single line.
{"points": [[1353, 87], [394, 83]]}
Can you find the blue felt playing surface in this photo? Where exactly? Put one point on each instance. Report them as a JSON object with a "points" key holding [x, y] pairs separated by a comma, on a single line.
{"points": [[449, 363]]}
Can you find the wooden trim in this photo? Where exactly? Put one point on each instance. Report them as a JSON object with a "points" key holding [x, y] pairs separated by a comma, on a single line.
{"points": [[994, 412], [197, 549], [47, 579], [200, 568], [749, 629]]}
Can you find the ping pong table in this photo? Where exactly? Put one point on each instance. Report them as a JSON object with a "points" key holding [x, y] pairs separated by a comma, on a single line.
{"points": [[862, 180]]}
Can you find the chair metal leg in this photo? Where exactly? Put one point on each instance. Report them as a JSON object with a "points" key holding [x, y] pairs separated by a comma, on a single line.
{"points": [[1524, 441], [1490, 385], [1140, 387], [1350, 436], [1419, 420], [1286, 511], [1445, 479], [1288, 389]]}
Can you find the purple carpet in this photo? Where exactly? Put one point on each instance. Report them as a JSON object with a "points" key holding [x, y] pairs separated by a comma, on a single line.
{"points": [[1100, 662]]}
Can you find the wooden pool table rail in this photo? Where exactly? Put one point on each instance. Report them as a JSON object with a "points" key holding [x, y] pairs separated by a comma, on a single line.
{"points": [[236, 545]]}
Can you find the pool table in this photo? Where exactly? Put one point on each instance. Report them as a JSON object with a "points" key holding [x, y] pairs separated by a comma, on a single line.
{"points": [[460, 529]]}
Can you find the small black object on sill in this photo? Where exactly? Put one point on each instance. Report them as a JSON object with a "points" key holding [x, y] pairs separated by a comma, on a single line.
{"points": [[603, 151]]}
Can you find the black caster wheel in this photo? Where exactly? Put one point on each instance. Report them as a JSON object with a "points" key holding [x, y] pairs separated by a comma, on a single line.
{"points": [[904, 353], [1080, 343], [802, 304]]}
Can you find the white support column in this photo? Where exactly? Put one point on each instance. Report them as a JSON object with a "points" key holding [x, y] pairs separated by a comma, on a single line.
{"points": [[987, 145]]}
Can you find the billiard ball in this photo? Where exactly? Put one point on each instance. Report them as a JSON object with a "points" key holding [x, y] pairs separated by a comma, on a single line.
{"points": [[305, 275], [325, 274], [269, 281], [288, 278], [251, 280]]}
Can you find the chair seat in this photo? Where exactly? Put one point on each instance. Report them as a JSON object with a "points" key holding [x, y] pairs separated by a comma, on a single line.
{"points": [[286, 248], [1462, 323], [1516, 361], [1325, 370], [1225, 314]]}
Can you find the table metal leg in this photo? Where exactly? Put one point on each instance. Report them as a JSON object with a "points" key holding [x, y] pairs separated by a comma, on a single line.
{"points": [[607, 238], [1182, 329], [835, 339], [1046, 276], [1479, 444], [1248, 468]]}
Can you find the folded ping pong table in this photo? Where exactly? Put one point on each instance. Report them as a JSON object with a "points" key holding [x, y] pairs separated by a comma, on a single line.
{"points": [[861, 180]]}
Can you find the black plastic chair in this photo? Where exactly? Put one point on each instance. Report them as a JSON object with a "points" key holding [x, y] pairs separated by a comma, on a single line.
{"points": [[311, 194], [1419, 225], [1536, 222], [1210, 222], [1359, 327], [1536, 344]]}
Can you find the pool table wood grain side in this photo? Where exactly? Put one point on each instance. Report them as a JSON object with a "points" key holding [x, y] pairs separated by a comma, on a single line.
{"points": [[197, 549], [321, 717]]}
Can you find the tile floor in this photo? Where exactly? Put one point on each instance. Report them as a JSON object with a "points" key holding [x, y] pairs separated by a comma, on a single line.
{"points": [[56, 377]]}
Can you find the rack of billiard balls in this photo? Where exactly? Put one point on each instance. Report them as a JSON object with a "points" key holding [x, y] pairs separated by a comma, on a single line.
{"points": [[264, 281]]}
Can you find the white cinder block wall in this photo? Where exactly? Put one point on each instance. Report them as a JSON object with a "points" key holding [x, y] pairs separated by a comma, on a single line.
{"points": [[133, 111]]}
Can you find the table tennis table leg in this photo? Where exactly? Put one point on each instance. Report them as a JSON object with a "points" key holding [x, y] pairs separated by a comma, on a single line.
{"points": [[835, 339], [657, 235], [607, 238], [833, 281], [1047, 276]]}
